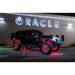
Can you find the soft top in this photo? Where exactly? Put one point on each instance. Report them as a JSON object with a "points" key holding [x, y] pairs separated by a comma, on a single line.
{"points": [[30, 30]]}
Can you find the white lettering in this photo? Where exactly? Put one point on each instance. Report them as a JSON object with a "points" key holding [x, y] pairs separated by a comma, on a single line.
{"points": [[35, 22], [56, 24], [49, 23], [41, 23], [27, 21]]}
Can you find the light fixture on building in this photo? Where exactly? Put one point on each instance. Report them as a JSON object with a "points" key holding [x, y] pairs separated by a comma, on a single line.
{"points": [[69, 25], [1, 19]]}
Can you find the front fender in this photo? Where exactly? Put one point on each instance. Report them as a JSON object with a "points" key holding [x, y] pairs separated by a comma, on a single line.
{"points": [[43, 40], [17, 40]]}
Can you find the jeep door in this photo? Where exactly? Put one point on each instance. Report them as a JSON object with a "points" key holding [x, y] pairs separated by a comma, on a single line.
{"points": [[37, 37], [23, 37], [30, 37]]}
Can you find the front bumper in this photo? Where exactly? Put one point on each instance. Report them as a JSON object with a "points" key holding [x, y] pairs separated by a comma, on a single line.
{"points": [[59, 43]]}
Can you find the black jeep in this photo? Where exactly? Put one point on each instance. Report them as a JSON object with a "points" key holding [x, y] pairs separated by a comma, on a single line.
{"points": [[35, 38]]}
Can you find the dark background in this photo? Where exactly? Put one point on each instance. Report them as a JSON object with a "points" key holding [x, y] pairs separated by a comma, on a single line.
{"points": [[59, 12]]}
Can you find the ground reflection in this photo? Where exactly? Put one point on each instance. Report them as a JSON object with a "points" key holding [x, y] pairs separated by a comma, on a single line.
{"points": [[34, 52]]}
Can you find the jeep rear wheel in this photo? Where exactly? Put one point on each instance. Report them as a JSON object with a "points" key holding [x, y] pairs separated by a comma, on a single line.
{"points": [[16, 46], [46, 48]]}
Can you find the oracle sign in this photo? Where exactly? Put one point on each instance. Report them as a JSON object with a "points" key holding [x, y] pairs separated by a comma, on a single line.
{"points": [[29, 22]]}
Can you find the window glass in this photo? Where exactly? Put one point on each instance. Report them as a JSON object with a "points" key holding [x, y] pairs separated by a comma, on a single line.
{"points": [[57, 36], [51, 36], [62, 37], [30, 33], [38, 33], [24, 33]]}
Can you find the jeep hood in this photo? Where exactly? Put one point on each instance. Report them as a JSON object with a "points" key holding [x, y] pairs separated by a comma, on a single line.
{"points": [[46, 36]]}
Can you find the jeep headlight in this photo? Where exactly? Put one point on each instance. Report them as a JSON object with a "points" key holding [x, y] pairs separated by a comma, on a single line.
{"points": [[55, 39]]}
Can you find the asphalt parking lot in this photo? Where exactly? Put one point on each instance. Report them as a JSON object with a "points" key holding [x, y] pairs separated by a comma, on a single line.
{"points": [[34, 55]]}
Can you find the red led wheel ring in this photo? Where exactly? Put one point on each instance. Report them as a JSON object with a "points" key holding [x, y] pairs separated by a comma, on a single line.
{"points": [[45, 48], [15, 45]]}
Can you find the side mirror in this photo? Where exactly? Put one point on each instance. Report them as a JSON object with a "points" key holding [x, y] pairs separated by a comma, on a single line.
{"points": [[51, 36]]}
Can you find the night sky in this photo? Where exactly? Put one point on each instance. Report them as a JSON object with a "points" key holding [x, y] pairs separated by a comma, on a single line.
{"points": [[59, 12]]}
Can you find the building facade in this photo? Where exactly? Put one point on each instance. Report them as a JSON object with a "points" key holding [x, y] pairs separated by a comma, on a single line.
{"points": [[61, 26]]}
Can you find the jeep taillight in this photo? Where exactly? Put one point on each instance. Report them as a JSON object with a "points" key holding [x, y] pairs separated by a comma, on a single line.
{"points": [[13, 38], [43, 40], [17, 41]]}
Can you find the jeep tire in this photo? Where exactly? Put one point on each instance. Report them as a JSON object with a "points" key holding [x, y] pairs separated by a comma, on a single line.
{"points": [[56, 49], [46, 48], [16, 46]]}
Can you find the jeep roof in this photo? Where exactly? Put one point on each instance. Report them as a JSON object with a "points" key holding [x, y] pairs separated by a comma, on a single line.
{"points": [[30, 30]]}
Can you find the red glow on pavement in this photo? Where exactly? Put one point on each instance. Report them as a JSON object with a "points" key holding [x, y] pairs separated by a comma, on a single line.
{"points": [[32, 54], [39, 53], [55, 53], [23, 49]]}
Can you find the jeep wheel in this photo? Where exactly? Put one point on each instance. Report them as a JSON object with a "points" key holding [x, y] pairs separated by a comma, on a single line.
{"points": [[16, 46], [46, 48], [56, 48]]}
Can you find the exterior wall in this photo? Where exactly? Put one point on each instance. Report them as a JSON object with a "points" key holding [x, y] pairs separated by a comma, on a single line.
{"points": [[8, 27]]}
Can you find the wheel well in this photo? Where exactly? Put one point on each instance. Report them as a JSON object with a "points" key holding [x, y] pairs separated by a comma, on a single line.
{"points": [[45, 40], [50, 48], [16, 40]]}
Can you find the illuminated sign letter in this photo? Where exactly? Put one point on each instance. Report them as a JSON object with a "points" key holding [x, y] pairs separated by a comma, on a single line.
{"points": [[56, 24], [49, 23], [41, 23], [19, 21], [35, 22], [27, 21]]}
